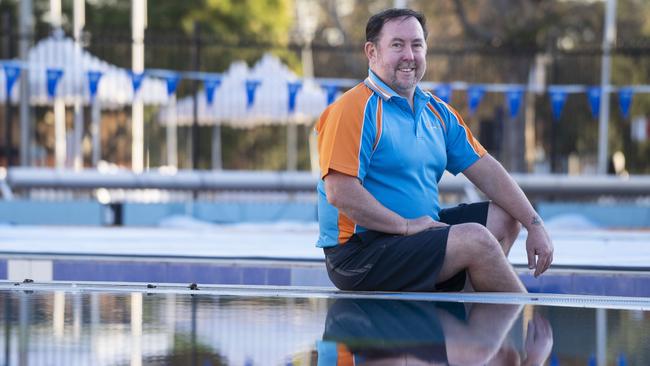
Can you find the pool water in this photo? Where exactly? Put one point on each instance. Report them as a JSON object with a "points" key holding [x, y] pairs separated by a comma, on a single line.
{"points": [[79, 327]]}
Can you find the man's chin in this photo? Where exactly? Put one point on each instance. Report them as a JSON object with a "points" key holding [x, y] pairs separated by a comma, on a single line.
{"points": [[407, 86]]}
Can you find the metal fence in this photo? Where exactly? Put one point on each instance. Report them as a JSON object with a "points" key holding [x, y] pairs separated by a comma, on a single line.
{"points": [[532, 142]]}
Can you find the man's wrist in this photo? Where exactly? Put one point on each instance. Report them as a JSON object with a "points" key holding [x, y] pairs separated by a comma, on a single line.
{"points": [[535, 223]]}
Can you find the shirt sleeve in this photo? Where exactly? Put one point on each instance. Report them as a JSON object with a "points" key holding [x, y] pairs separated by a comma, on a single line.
{"points": [[463, 149], [346, 135]]}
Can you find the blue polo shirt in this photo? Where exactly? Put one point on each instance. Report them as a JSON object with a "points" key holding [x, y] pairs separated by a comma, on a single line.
{"points": [[398, 154]]}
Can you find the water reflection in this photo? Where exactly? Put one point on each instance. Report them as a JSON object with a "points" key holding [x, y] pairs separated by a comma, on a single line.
{"points": [[370, 332], [93, 328]]}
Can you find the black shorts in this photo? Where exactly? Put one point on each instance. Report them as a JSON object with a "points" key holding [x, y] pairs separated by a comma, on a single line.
{"points": [[376, 261]]}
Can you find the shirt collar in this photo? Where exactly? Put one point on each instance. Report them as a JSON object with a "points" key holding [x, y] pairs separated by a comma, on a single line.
{"points": [[385, 92]]}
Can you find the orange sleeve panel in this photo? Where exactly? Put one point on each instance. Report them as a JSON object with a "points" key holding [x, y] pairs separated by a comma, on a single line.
{"points": [[480, 150], [339, 132], [345, 357]]}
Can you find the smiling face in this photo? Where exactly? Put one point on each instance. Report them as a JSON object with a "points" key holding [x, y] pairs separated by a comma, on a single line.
{"points": [[398, 56]]}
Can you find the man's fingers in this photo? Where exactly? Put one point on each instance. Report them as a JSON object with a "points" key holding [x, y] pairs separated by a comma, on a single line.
{"points": [[543, 263], [531, 259]]}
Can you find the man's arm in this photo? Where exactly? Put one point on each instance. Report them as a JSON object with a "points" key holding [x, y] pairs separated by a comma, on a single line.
{"points": [[491, 178], [348, 195]]}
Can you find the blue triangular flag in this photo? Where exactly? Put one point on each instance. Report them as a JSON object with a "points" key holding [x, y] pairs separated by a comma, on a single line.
{"points": [[554, 360], [475, 95], [172, 83], [93, 82], [211, 85], [293, 92], [592, 361], [514, 97], [332, 90], [443, 91], [53, 77], [622, 361], [558, 98], [593, 93], [136, 80], [12, 73], [625, 96], [251, 87]]}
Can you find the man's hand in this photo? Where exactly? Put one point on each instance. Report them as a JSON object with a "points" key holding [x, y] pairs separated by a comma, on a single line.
{"points": [[539, 341], [420, 224], [539, 249]]}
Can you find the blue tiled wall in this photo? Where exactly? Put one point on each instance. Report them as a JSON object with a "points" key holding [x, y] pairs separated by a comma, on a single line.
{"points": [[618, 215], [162, 272], [621, 284], [52, 213], [139, 214]]}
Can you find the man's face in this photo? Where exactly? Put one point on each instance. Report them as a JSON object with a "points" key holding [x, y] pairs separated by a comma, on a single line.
{"points": [[399, 55]]}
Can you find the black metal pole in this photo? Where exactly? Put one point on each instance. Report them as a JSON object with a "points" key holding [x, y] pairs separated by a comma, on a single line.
{"points": [[196, 53]]}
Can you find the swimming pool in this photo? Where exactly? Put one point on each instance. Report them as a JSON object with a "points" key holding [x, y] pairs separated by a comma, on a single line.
{"points": [[104, 324]]}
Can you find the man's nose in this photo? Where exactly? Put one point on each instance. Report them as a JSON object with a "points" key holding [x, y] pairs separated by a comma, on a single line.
{"points": [[408, 54]]}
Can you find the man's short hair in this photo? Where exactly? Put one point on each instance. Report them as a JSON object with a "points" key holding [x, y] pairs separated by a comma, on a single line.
{"points": [[377, 21]]}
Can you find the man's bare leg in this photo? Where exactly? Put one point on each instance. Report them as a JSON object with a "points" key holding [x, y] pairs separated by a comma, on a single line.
{"points": [[473, 248], [478, 339], [503, 226]]}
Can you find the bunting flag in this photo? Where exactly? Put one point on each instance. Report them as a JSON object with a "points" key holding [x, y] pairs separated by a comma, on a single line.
{"points": [[93, 82], [558, 99], [211, 85], [172, 83], [251, 87], [332, 90], [514, 97], [443, 91], [293, 88], [625, 96], [593, 93], [12, 73], [53, 77], [136, 81], [592, 360], [475, 95]]}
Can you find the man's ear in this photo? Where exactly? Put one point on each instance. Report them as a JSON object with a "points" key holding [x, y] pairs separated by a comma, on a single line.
{"points": [[371, 51]]}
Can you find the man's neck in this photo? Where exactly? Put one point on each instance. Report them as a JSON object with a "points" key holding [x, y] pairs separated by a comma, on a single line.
{"points": [[408, 95]]}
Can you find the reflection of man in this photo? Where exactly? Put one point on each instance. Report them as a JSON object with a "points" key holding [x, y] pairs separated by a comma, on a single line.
{"points": [[383, 147], [389, 332]]}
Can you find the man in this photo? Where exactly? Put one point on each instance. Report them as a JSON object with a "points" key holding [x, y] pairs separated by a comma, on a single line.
{"points": [[388, 332], [383, 147]]}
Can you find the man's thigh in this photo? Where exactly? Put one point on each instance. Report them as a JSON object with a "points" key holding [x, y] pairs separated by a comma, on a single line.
{"points": [[461, 249], [374, 261]]}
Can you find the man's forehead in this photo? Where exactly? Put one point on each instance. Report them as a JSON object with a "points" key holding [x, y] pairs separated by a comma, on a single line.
{"points": [[406, 27]]}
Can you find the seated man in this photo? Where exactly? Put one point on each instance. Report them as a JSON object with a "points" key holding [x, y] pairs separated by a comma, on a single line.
{"points": [[390, 332], [383, 147]]}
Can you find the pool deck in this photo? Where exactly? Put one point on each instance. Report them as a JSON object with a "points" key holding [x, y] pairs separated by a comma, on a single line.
{"points": [[565, 300], [594, 249]]}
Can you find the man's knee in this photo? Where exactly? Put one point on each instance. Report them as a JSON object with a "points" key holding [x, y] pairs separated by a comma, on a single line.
{"points": [[477, 240], [501, 224]]}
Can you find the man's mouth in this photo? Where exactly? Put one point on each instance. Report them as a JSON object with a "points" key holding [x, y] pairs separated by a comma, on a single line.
{"points": [[406, 69]]}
